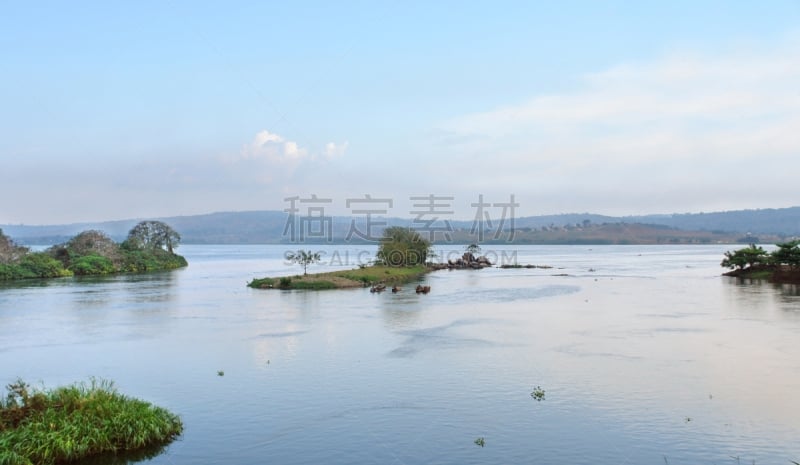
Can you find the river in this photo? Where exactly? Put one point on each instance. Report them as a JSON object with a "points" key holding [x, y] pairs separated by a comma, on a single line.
{"points": [[645, 354]]}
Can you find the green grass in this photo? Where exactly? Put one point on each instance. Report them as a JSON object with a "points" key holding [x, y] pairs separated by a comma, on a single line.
{"points": [[73, 422], [312, 285], [343, 279], [384, 274]]}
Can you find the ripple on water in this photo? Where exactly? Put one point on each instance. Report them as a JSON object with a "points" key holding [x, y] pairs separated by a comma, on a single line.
{"points": [[502, 295]]}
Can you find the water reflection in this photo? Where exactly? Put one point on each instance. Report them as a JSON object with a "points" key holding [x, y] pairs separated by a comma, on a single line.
{"points": [[756, 297], [126, 458]]}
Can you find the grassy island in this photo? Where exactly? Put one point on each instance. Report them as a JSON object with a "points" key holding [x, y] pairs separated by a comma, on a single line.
{"points": [[401, 257], [343, 279], [74, 422], [149, 247]]}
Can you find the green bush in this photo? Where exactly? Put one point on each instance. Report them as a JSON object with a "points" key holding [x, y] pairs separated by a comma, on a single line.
{"points": [[9, 272], [402, 247], [137, 261], [92, 265], [42, 265]]}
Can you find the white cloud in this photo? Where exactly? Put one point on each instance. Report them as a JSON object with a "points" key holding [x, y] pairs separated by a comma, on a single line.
{"points": [[273, 148], [334, 150], [690, 121]]}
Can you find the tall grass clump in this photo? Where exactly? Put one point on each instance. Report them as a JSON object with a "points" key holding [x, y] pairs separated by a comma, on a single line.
{"points": [[40, 426]]}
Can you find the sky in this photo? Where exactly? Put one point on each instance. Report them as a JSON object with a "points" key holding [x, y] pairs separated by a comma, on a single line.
{"points": [[115, 110]]}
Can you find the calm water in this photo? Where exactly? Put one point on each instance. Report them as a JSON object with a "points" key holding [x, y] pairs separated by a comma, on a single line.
{"points": [[646, 355]]}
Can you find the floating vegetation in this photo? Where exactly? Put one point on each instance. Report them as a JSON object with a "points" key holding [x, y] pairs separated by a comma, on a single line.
{"points": [[480, 442], [220, 373], [70, 423], [538, 393]]}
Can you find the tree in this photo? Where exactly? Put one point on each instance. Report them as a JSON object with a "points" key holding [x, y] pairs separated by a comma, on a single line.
{"points": [[474, 249], [305, 258], [153, 235], [788, 253], [747, 257], [402, 247], [87, 243], [9, 251]]}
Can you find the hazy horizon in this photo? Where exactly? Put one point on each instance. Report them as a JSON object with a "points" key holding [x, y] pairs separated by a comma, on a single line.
{"points": [[403, 218]]}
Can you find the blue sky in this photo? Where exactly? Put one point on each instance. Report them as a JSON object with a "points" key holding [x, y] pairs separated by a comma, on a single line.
{"points": [[116, 110]]}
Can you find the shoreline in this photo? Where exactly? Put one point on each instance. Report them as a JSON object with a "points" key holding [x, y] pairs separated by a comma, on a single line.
{"points": [[777, 274]]}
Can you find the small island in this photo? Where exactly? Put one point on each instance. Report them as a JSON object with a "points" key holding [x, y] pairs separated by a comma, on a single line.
{"points": [[71, 423], [781, 266], [149, 247], [402, 257]]}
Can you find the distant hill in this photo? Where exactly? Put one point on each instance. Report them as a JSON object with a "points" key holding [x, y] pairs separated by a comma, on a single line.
{"points": [[264, 227], [774, 221]]}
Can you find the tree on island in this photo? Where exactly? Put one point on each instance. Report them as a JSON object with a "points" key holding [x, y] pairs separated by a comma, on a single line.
{"points": [[305, 258], [745, 258], [402, 247], [10, 252], [473, 248], [788, 253], [151, 235]]}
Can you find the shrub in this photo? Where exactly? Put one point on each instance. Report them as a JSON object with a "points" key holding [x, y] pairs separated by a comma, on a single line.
{"points": [[41, 265], [92, 265], [402, 247], [9, 272]]}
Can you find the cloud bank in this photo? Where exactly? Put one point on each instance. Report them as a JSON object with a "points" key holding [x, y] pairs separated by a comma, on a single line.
{"points": [[685, 127]]}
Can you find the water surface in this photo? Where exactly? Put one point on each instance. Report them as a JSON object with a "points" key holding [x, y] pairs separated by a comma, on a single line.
{"points": [[646, 355]]}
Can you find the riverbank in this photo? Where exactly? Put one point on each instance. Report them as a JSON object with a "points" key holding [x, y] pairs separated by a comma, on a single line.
{"points": [[78, 421], [344, 279], [773, 273]]}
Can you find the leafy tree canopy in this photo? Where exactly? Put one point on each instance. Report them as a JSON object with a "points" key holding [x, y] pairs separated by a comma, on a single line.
{"points": [[402, 247], [787, 253], [304, 258], [150, 235], [747, 257]]}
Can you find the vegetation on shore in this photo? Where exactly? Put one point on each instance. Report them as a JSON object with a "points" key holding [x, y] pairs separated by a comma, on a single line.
{"points": [[149, 247], [401, 258], [782, 265], [361, 277], [74, 422]]}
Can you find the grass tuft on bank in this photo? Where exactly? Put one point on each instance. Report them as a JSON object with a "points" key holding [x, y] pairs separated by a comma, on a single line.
{"points": [[70, 423]]}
